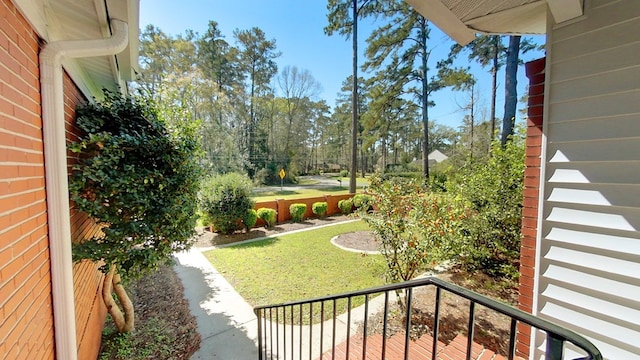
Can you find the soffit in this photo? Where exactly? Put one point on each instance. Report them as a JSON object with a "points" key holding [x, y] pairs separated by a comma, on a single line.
{"points": [[59, 20], [462, 19]]}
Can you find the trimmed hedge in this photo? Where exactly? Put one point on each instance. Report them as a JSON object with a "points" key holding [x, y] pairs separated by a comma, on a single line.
{"points": [[320, 208], [249, 219], [363, 202], [268, 215], [297, 212], [346, 206]]}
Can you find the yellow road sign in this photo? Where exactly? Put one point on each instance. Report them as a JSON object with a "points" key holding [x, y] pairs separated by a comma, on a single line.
{"points": [[282, 173]]}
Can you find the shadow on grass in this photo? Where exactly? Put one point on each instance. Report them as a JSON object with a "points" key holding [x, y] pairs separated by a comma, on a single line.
{"points": [[258, 243]]}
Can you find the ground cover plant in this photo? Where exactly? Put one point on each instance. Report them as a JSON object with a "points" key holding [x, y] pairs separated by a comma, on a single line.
{"points": [[298, 266], [160, 334]]}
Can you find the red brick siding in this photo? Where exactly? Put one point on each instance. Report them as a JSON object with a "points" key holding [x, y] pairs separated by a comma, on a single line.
{"points": [[26, 315], [536, 73], [87, 280]]}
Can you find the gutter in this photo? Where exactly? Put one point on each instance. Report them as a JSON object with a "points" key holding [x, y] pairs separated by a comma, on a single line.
{"points": [[56, 174]]}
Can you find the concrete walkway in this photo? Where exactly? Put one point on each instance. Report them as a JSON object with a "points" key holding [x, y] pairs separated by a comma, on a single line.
{"points": [[226, 322]]}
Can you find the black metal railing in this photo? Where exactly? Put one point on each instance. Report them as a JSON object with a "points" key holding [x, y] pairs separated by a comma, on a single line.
{"points": [[287, 331]]}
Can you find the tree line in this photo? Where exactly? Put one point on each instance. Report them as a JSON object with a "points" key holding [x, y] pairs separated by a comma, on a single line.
{"points": [[257, 118]]}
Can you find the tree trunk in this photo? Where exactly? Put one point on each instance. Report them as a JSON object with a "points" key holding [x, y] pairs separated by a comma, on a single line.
{"points": [[510, 94], [425, 101], [354, 104], [494, 87], [112, 283]]}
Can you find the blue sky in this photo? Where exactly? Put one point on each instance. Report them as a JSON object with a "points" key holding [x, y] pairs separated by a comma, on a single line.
{"points": [[297, 26]]}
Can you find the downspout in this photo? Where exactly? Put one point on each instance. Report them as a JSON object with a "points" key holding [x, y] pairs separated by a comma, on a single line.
{"points": [[57, 184]]}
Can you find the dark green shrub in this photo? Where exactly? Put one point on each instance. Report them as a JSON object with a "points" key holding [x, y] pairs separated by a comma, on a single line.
{"points": [[225, 199], [138, 178], [493, 191], [346, 206], [363, 202], [344, 173], [268, 215], [249, 219], [297, 212], [147, 176], [320, 208]]}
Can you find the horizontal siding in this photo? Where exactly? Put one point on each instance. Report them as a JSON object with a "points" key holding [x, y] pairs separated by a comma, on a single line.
{"points": [[589, 274]]}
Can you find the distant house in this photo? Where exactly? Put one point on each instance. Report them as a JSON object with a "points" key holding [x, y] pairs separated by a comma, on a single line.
{"points": [[51, 308], [435, 157], [580, 257]]}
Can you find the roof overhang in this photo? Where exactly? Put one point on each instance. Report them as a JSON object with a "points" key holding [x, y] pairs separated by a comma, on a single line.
{"points": [[57, 20], [462, 19]]}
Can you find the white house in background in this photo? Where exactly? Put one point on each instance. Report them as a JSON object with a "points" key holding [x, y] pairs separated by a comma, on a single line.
{"points": [[585, 247], [435, 157]]}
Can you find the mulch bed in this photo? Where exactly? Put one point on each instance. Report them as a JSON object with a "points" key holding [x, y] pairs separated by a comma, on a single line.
{"points": [[358, 240], [207, 238]]}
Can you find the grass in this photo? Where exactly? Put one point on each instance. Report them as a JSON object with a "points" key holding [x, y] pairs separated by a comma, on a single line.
{"points": [[299, 266], [298, 194]]}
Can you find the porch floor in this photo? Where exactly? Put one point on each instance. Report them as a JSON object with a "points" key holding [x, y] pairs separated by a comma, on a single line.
{"points": [[420, 349]]}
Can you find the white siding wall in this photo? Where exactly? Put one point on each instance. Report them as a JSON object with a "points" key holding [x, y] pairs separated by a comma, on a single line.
{"points": [[589, 273]]}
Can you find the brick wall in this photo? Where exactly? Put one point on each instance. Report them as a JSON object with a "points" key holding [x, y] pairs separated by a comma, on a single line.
{"points": [[26, 318], [26, 313], [535, 72]]}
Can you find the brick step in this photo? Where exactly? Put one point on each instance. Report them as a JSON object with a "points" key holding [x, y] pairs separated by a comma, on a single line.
{"points": [[420, 349]]}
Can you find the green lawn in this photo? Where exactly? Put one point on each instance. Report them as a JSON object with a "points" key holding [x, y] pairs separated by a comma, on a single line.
{"points": [[298, 266], [298, 194]]}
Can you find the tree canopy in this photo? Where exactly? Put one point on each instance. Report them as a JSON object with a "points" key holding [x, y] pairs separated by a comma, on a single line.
{"points": [[259, 116]]}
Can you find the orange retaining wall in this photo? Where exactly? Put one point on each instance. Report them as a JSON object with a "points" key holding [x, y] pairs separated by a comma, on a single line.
{"points": [[281, 206]]}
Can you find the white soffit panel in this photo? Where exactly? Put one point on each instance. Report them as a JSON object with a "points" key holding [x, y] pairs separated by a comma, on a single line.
{"points": [[563, 10]]}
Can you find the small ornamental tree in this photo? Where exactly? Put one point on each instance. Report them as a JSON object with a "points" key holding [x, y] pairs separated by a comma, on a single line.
{"points": [[139, 182], [320, 208], [416, 228]]}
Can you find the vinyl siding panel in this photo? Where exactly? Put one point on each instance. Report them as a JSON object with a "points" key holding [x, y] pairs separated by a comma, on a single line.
{"points": [[589, 273]]}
